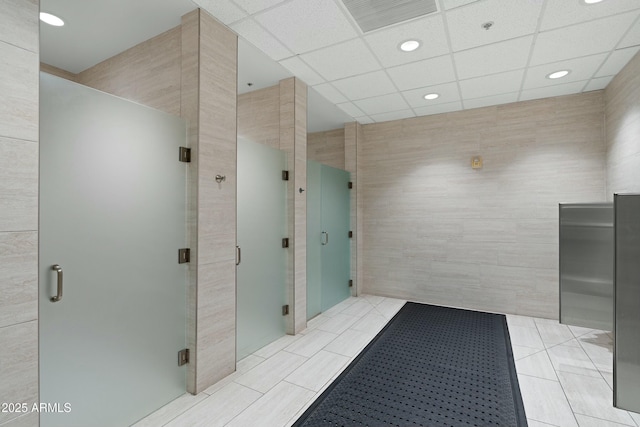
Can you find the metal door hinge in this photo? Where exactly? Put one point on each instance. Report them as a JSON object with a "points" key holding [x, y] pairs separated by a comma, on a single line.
{"points": [[285, 175], [183, 357], [350, 185], [351, 234], [285, 242], [185, 155], [285, 310], [351, 283], [184, 255]]}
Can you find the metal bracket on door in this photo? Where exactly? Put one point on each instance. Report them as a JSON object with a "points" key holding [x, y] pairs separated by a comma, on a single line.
{"points": [[238, 255], [184, 255]]}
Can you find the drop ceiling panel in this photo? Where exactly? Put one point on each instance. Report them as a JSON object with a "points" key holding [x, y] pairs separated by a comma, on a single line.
{"points": [[364, 120], [429, 31], [451, 4], [302, 70], [488, 101], [393, 115], [365, 85], [616, 61], [494, 58], [429, 72], [382, 104], [351, 109], [632, 38], [448, 93], [260, 38], [549, 91], [481, 87], [438, 109], [225, 10], [563, 13], [511, 19], [305, 25], [342, 60], [581, 69], [254, 6], [331, 93], [582, 39], [373, 14], [599, 83]]}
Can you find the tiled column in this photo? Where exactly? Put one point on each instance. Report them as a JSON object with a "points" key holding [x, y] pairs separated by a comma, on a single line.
{"points": [[209, 80], [352, 133], [19, 82]]}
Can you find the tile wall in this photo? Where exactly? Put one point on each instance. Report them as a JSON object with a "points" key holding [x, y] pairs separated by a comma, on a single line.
{"points": [[327, 147]]}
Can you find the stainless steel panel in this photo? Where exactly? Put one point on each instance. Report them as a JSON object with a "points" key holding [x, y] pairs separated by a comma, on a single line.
{"points": [[586, 265], [626, 365]]}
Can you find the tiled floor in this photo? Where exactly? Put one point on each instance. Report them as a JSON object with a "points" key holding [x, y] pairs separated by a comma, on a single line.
{"points": [[565, 373]]}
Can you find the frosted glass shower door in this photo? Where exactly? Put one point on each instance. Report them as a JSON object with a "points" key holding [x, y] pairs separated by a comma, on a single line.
{"points": [[261, 273], [112, 218], [314, 236]]}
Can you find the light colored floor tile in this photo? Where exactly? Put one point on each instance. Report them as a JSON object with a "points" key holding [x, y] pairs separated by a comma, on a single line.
{"points": [[534, 423], [572, 359], [315, 322], [219, 408], [373, 299], [516, 320], [553, 333], [542, 320], [311, 343], [340, 306], [279, 344], [585, 421], [275, 408], [389, 307], [537, 365], [636, 417], [358, 309], [608, 377], [318, 370], [371, 323], [243, 366], [545, 401], [270, 372], [599, 348], [578, 331], [171, 410], [593, 397], [526, 337], [338, 323], [350, 342], [520, 352]]}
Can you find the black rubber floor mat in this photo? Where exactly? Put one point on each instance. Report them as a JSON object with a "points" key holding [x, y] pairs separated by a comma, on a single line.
{"points": [[430, 366]]}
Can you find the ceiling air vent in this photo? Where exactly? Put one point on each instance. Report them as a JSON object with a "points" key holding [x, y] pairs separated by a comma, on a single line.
{"points": [[373, 14]]}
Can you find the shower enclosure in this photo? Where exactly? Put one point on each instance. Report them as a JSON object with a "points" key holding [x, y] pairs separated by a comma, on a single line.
{"points": [[112, 306]]}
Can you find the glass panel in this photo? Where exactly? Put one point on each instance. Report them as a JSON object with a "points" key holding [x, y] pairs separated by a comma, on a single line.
{"points": [[335, 223], [112, 215], [314, 227], [261, 226]]}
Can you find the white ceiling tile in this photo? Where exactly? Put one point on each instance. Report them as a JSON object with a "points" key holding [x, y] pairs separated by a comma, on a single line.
{"points": [[494, 58], [438, 109], [257, 36], [343, 60], [633, 36], [365, 85], [254, 6], [617, 61], [581, 69], [451, 4], [581, 40], [305, 25], [448, 93], [364, 120], [495, 84], [382, 104], [511, 19], [302, 70], [331, 93], [598, 83], [429, 31], [351, 109], [393, 115], [563, 13], [487, 101], [429, 72], [225, 10], [550, 91]]}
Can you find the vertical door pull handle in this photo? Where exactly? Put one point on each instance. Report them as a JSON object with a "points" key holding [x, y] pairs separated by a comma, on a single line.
{"points": [[324, 240], [58, 270], [238, 255]]}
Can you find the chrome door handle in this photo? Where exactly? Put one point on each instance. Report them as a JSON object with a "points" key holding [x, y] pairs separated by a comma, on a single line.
{"points": [[238, 255], [58, 270], [325, 238]]}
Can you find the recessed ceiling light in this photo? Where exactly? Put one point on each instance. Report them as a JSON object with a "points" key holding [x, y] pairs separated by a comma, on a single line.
{"points": [[409, 45], [51, 19], [591, 1], [558, 74], [431, 96]]}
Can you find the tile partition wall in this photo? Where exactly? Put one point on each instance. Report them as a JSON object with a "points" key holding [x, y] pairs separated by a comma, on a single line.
{"points": [[259, 116], [55, 71], [351, 132], [327, 147], [623, 130], [437, 231], [19, 50]]}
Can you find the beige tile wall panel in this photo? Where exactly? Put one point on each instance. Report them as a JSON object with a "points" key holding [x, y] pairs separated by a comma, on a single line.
{"points": [[300, 234], [19, 273], [18, 185], [359, 213], [55, 71], [19, 24], [623, 130], [18, 91], [148, 73], [19, 367], [438, 231], [351, 165], [259, 116], [327, 147]]}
